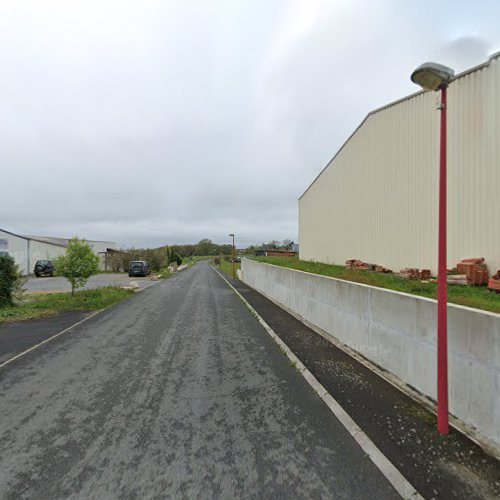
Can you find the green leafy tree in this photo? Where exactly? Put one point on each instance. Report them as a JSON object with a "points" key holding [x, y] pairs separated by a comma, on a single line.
{"points": [[205, 247], [11, 281], [176, 258], [78, 265]]}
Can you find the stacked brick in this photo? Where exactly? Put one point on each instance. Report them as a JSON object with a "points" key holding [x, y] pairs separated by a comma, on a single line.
{"points": [[494, 282], [359, 265], [468, 272], [415, 274], [475, 270]]}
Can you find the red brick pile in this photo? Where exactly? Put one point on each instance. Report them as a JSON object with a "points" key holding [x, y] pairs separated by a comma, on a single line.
{"points": [[380, 269], [359, 265], [475, 269], [457, 279], [415, 274], [494, 282]]}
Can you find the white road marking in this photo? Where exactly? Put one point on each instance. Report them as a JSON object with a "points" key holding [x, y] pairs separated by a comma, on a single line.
{"points": [[383, 464], [36, 346]]}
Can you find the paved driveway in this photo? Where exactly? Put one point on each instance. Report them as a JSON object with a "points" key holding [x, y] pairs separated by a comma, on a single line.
{"points": [[58, 284], [175, 393]]}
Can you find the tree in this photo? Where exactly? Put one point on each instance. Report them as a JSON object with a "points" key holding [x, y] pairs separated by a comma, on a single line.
{"points": [[78, 265], [11, 281], [205, 247]]}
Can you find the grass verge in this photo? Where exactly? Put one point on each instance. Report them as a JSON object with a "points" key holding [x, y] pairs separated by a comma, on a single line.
{"points": [[227, 267], [196, 258], [470, 296], [164, 273], [42, 306]]}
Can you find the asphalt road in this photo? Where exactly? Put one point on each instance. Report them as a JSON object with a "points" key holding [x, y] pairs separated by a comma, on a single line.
{"points": [[19, 336], [59, 284], [177, 392]]}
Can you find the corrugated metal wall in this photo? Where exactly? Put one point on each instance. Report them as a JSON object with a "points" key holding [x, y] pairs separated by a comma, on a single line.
{"points": [[377, 200]]}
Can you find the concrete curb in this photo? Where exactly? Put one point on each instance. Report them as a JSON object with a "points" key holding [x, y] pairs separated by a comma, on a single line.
{"points": [[389, 471]]}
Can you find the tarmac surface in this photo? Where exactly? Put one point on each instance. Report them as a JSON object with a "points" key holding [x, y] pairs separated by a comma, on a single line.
{"points": [[177, 392], [21, 335], [60, 284], [439, 467]]}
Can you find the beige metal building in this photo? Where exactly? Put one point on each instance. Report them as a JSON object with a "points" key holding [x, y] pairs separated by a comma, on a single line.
{"points": [[377, 199]]}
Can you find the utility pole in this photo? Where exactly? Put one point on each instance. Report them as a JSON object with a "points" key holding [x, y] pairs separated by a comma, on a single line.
{"points": [[234, 258]]}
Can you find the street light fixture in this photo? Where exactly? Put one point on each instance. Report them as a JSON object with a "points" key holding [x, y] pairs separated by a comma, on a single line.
{"points": [[432, 76], [234, 257]]}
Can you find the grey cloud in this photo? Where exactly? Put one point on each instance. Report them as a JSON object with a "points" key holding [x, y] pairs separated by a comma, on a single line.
{"points": [[155, 122]]}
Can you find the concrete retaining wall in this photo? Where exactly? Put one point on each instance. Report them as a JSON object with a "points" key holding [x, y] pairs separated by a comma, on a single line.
{"points": [[397, 331]]}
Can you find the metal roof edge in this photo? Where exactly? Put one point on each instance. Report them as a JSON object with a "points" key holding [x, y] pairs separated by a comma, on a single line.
{"points": [[478, 67], [27, 238], [14, 234], [40, 239], [44, 241]]}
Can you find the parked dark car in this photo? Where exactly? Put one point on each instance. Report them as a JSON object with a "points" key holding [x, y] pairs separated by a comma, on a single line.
{"points": [[44, 268], [139, 268]]}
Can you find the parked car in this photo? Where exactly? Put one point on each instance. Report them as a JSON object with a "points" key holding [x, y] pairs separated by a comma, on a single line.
{"points": [[44, 268], [139, 268]]}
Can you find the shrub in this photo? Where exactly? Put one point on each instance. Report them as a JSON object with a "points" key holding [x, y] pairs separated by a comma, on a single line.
{"points": [[78, 265], [176, 258], [10, 280]]}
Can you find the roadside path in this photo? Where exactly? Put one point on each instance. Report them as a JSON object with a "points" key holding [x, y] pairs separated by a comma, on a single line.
{"points": [[437, 466]]}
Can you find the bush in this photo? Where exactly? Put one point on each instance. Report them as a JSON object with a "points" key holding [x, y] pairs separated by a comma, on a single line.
{"points": [[78, 265], [176, 258], [217, 260], [10, 280]]}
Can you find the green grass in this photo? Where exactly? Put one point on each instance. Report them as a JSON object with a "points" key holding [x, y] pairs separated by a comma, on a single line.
{"points": [[227, 267], [42, 306], [470, 296], [164, 273], [196, 258]]}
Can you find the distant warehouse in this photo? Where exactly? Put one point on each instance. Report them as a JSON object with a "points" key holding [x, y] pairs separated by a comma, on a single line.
{"points": [[377, 199], [26, 250]]}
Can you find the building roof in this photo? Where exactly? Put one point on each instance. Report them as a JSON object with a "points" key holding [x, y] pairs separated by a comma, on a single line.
{"points": [[60, 242], [32, 238], [46, 239], [494, 56]]}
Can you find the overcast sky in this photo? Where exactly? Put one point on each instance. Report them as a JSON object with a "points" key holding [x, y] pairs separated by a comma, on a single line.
{"points": [[154, 122]]}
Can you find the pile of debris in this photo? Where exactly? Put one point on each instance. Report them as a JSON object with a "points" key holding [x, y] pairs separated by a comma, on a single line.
{"points": [[470, 272], [475, 270], [415, 274], [494, 282], [359, 265]]}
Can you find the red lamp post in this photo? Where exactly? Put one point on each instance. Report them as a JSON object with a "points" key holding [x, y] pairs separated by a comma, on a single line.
{"points": [[431, 76]]}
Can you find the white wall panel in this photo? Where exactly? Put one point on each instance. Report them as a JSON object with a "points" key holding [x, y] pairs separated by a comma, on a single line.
{"points": [[397, 331]]}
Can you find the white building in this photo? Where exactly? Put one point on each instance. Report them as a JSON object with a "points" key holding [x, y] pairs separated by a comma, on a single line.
{"points": [[377, 199], [26, 250]]}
